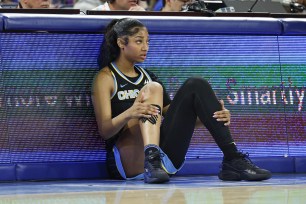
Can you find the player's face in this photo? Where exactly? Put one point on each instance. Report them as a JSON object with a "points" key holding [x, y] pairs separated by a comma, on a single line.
{"points": [[37, 4], [138, 46]]}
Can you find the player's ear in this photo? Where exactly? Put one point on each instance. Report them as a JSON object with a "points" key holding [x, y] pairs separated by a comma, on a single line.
{"points": [[120, 43]]}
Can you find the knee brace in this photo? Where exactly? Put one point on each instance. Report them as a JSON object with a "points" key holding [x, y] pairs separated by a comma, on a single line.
{"points": [[153, 118]]}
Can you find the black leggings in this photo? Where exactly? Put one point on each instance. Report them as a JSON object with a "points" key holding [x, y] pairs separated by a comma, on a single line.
{"points": [[195, 98]]}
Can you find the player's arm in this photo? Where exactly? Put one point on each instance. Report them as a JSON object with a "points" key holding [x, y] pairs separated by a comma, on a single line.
{"points": [[103, 87]]}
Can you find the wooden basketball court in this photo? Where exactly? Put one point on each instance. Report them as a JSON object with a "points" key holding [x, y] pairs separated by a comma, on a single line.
{"points": [[281, 189]]}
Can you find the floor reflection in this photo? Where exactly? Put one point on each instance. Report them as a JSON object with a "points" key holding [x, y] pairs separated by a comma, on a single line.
{"points": [[282, 189]]}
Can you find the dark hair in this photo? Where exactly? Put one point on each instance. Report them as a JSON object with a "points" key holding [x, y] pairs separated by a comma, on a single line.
{"points": [[109, 49]]}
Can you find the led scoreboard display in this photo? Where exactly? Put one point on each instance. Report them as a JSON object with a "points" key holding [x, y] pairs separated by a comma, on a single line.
{"points": [[45, 92]]}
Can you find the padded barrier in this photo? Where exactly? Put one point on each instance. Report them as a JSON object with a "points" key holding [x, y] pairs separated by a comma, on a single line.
{"points": [[300, 164], [94, 170], [44, 22], [199, 25], [294, 26], [65, 170], [1, 23], [8, 172]]}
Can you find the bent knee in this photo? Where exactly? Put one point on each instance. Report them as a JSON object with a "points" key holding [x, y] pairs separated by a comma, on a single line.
{"points": [[196, 82], [153, 88]]}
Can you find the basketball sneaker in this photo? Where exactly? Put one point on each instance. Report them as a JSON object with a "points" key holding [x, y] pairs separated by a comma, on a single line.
{"points": [[154, 173], [242, 168]]}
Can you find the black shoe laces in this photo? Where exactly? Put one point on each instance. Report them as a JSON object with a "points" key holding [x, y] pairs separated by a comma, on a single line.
{"points": [[245, 157]]}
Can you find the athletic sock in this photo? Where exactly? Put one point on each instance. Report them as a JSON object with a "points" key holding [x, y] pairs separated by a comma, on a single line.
{"points": [[150, 148]]}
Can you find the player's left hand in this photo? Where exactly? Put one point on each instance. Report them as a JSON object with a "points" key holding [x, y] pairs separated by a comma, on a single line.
{"points": [[223, 115]]}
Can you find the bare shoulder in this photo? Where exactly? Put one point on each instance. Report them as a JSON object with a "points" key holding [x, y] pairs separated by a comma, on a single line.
{"points": [[104, 73], [103, 79]]}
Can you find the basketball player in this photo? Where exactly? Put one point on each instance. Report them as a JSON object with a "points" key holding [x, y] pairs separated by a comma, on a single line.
{"points": [[130, 101]]}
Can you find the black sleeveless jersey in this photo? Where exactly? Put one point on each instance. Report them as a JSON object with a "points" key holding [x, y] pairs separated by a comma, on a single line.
{"points": [[126, 90]]}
